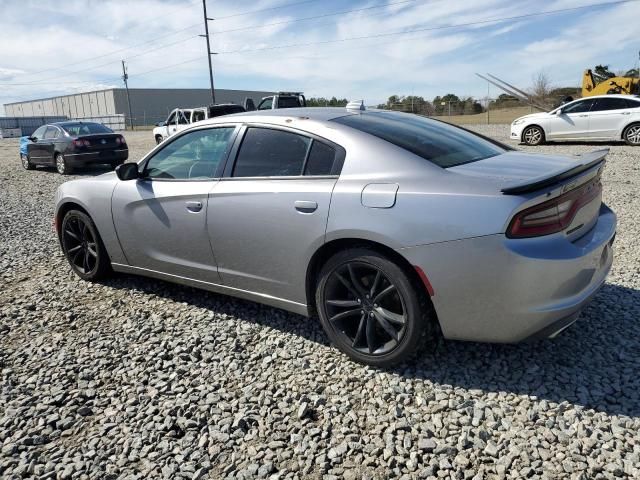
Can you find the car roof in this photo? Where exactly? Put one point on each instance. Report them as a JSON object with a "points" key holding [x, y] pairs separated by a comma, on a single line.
{"points": [[322, 114], [72, 122]]}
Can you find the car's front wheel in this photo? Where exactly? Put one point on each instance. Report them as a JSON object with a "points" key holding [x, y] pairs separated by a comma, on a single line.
{"points": [[533, 135], [62, 165], [369, 307], [26, 163], [158, 139], [83, 247], [632, 135]]}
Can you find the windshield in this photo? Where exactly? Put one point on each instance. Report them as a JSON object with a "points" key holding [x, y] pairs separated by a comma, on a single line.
{"points": [[76, 129], [440, 143]]}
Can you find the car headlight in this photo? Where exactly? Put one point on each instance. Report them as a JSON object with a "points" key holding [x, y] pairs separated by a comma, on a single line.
{"points": [[518, 121]]}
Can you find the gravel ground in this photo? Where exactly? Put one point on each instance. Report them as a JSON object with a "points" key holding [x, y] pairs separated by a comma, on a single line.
{"points": [[136, 378]]}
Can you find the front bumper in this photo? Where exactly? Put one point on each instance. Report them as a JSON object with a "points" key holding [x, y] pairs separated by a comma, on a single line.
{"points": [[516, 132], [495, 289], [90, 158]]}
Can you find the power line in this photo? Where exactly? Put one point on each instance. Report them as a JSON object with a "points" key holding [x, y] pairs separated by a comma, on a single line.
{"points": [[284, 22], [286, 5], [425, 29]]}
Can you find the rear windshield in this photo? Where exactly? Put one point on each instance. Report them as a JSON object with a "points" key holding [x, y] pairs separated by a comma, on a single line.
{"points": [[75, 129], [445, 145], [288, 102], [226, 110]]}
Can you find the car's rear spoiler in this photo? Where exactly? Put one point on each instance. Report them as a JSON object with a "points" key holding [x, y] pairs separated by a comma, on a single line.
{"points": [[589, 160]]}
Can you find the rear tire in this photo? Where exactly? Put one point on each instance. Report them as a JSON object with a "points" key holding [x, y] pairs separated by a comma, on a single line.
{"points": [[632, 135], [370, 309], [26, 163], [62, 165], [533, 135], [83, 247]]}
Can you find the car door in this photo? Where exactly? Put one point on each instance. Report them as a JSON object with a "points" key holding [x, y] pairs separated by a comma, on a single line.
{"points": [[161, 218], [607, 117], [171, 124], [268, 214], [34, 149], [47, 144], [571, 121]]}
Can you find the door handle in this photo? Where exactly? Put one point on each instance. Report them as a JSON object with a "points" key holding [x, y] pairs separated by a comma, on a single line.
{"points": [[583, 115], [626, 113], [194, 207], [305, 206]]}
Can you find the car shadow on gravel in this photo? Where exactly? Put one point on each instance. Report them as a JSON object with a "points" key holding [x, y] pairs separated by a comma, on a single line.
{"points": [[594, 363]]}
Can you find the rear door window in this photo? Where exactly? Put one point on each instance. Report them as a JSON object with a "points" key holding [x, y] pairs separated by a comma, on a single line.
{"points": [[271, 153], [613, 103]]}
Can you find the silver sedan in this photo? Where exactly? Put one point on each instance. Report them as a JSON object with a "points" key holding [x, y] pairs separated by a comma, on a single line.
{"points": [[388, 227]]}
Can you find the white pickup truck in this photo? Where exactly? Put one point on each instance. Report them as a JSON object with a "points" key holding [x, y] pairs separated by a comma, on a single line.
{"points": [[181, 118]]}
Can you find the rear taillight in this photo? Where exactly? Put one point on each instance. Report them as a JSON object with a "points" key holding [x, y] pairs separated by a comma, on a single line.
{"points": [[81, 143], [553, 216], [120, 141]]}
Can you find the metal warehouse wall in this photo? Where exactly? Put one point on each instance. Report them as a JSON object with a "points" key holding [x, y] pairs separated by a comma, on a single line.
{"points": [[149, 105], [79, 105], [152, 105]]}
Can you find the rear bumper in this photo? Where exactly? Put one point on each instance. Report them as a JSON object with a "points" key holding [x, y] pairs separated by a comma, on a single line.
{"points": [[104, 156], [495, 289]]}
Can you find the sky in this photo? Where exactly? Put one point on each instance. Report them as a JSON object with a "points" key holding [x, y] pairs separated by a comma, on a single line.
{"points": [[351, 49]]}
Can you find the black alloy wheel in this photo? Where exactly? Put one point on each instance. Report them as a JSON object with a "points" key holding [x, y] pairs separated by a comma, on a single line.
{"points": [[83, 247], [370, 308]]}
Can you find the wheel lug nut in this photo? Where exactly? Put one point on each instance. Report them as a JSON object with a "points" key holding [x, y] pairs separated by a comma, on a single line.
{"points": [[371, 314], [361, 311], [359, 301]]}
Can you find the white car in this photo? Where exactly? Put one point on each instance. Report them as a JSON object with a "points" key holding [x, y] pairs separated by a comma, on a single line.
{"points": [[181, 118], [603, 117]]}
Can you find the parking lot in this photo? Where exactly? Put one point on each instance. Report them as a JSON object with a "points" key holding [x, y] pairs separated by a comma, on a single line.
{"points": [[137, 378]]}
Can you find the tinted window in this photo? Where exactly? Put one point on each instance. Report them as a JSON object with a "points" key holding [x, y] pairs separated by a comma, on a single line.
{"points": [[171, 119], [288, 102], [609, 104], [578, 107], [271, 153], [39, 133], [633, 103], [225, 110], [76, 129], [442, 144], [195, 155], [321, 158], [51, 133]]}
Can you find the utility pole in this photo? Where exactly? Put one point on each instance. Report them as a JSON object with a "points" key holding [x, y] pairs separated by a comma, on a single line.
{"points": [[206, 35], [125, 77]]}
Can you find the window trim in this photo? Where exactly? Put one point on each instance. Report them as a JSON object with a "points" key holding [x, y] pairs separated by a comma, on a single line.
{"points": [[142, 164], [338, 161]]}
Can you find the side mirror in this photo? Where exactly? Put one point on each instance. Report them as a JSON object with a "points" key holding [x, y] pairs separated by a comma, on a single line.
{"points": [[32, 139], [127, 171], [559, 112]]}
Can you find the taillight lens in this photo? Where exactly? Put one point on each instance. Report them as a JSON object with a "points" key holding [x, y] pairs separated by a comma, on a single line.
{"points": [[555, 215], [120, 141], [81, 143]]}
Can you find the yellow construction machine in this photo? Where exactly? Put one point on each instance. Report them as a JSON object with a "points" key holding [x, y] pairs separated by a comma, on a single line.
{"points": [[594, 84]]}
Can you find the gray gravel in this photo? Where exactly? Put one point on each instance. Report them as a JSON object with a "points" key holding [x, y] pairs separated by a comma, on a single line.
{"points": [[136, 378]]}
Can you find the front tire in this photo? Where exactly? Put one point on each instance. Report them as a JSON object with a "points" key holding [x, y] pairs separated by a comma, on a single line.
{"points": [[533, 135], [62, 165], [26, 163], [632, 135], [83, 247], [158, 139], [369, 307]]}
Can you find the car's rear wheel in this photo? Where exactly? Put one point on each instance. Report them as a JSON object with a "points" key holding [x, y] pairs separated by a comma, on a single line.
{"points": [[26, 163], [83, 247], [370, 308], [632, 135], [62, 166], [533, 135]]}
